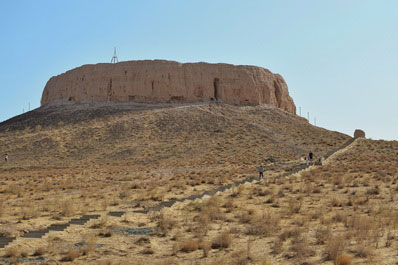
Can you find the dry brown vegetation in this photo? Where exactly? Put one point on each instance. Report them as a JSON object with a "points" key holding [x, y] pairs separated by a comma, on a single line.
{"points": [[342, 212]]}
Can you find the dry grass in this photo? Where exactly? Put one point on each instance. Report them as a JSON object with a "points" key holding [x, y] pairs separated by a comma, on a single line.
{"points": [[3, 208], [334, 247], [223, 240], [164, 223], [189, 245], [343, 259], [67, 208], [205, 246], [40, 251], [265, 225], [89, 247], [11, 252], [344, 206], [100, 223], [71, 255]]}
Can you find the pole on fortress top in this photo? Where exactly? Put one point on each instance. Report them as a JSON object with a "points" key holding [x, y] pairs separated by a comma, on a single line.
{"points": [[114, 57], [300, 111]]}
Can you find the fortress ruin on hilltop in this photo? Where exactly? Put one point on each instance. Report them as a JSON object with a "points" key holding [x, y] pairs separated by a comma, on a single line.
{"points": [[161, 81]]}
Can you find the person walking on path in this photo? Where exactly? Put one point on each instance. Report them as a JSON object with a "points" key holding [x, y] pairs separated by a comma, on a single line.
{"points": [[260, 172], [6, 158], [311, 157], [307, 160]]}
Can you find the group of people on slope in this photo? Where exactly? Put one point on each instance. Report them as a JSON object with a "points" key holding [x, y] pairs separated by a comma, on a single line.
{"points": [[309, 159]]}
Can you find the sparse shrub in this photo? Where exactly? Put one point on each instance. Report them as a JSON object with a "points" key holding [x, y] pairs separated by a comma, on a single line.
{"points": [[363, 225], [67, 208], [165, 223], [300, 248], [203, 221], [104, 204], [240, 258], [40, 251], [340, 217], [71, 255], [343, 259], [189, 245], [363, 251], [373, 191], [290, 233], [316, 190], [100, 223], [205, 246], [277, 246], [105, 262], [336, 202], [223, 240], [306, 174], [14, 260], [24, 253], [334, 247], [147, 251], [389, 238], [322, 235], [105, 233], [294, 206], [142, 240], [28, 210], [246, 216], [15, 189], [265, 225], [2, 207], [175, 248], [89, 246], [11, 252], [229, 205], [213, 210], [265, 262]]}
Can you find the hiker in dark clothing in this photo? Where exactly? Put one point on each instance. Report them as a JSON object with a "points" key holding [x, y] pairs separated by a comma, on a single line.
{"points": [[261, 172], [6, 158], [311, 157]]}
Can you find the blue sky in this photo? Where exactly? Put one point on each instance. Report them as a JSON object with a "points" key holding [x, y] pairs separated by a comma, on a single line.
{"points": [[339, 58]]}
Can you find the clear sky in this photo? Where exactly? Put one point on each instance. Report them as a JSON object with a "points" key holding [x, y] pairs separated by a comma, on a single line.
{"points": [[338, 57]]}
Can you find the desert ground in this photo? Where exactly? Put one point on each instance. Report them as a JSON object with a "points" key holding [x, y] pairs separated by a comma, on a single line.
{"points": [[80, 159]]}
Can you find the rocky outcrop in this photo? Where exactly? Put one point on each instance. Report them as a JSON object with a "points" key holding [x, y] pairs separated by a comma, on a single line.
{"points": [[167, 81], [359, 134]]}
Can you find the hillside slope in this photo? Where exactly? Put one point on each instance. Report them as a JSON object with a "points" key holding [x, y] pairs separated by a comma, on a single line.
{"points": [[78, 159], [158, 136]]}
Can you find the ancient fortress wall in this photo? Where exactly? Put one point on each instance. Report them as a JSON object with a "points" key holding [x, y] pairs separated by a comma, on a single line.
{"points": [[167, 81]]}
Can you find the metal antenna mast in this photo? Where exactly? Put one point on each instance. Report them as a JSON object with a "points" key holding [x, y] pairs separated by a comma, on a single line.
{"points": [[114, 58]]}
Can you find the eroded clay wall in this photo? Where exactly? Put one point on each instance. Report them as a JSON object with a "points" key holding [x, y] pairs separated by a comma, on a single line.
{"points": [[167, 81]]}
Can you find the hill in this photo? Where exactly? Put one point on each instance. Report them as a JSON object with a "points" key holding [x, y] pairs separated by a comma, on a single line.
{"points": [[77, 159], [161, 136]]}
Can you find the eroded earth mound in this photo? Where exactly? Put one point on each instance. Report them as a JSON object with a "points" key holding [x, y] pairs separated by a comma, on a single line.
{"points": [[167, 81]]}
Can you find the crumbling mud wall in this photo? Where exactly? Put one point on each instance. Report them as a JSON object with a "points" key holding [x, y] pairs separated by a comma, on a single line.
{"points": [[160, 81]]}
